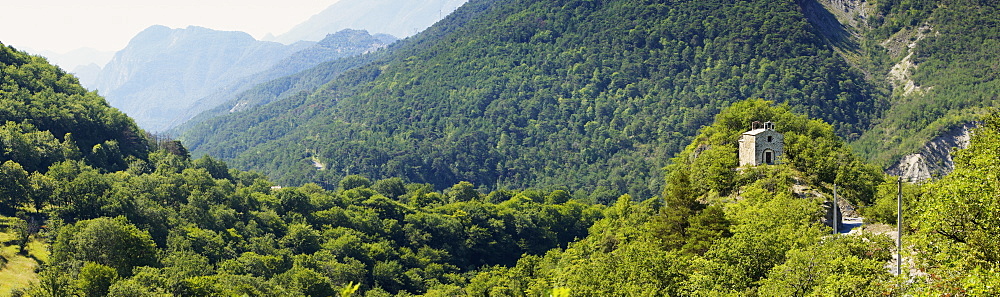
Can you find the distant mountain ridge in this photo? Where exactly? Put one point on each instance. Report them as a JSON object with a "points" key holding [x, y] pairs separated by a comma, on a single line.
{"points": [[400, 18], [163, 71], [87, 74], [277, 89], [76, 58], [85, 63], [166, 76], [343, 44]]}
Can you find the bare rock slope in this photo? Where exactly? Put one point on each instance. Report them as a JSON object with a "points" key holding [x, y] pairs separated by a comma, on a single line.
{"points": [[934, 159]]}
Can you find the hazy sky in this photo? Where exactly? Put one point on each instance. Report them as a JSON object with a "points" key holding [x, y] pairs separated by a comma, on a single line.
{"points": [[107, 25]]}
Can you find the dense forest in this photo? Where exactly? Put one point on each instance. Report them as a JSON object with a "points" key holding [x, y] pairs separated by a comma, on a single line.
{"points": [[751, 233], [948, 45], [528, 148], [565, 93], [165, 224], [47, 117], [169, 225], [516, 94]]}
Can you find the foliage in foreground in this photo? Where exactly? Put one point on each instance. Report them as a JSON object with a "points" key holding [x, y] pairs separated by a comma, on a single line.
{"points": [[172, 226], [196, 228], [720, 232]]}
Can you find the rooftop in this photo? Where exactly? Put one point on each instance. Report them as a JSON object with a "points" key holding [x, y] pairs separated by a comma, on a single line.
{"points": [[755, 131]]}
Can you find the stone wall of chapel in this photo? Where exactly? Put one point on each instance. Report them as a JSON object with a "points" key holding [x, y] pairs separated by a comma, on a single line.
{"points": [[748, 150], [776, 145]]}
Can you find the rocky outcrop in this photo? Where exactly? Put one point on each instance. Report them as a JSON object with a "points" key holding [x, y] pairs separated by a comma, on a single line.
{"points": [[899, 44], [934, 159], [837, 20]]}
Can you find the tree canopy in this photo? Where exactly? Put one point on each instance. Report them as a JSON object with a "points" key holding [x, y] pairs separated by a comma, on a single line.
{"points": [[546, 93], [47, 117]]}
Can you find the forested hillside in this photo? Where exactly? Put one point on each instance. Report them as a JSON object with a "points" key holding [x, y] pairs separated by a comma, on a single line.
{"points": [[754, 232], [142, 217], [169, 225], [722, 232], [939, 55], [594, 95], [48, 120], [530, 148], [47, 117]]}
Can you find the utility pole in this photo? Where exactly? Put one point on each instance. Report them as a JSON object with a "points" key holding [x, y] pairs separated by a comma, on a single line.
{"points": [[836, 209], [899, 225]]}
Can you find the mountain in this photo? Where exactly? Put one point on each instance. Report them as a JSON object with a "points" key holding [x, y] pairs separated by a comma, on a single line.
{"points": [[932, 59], [165, 224], [163, 71], [547, 93], [334, 47], [400, 18], [276, 89], [87, 74]]}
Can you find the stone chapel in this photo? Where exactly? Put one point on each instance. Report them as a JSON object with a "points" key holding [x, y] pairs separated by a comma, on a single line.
{"points": [[761, 145]]}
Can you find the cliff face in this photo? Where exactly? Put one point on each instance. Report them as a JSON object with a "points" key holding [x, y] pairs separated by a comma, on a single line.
{"points": [[934, 159]]}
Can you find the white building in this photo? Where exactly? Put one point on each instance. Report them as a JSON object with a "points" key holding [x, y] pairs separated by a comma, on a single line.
{"points": [[761, 145]]}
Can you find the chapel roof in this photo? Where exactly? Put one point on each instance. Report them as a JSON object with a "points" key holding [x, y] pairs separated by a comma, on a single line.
{"points": [[755, 131]]}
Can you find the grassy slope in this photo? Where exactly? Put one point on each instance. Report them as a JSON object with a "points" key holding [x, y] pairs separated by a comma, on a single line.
{"points": [[19, 270]]}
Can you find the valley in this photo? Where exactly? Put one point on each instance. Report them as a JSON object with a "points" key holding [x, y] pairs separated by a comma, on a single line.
{"points": [[516, 148]]}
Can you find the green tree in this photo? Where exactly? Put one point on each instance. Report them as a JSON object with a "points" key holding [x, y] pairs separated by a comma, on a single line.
{"points": [[956, 216], [307, 281], [463, 191], [390, 187], [53, 284], [42, 188], [216, 168], [841, 266], [15, 187], [112, 242], [960, 207], [95, 279], [302, 239], [354, 181]]}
